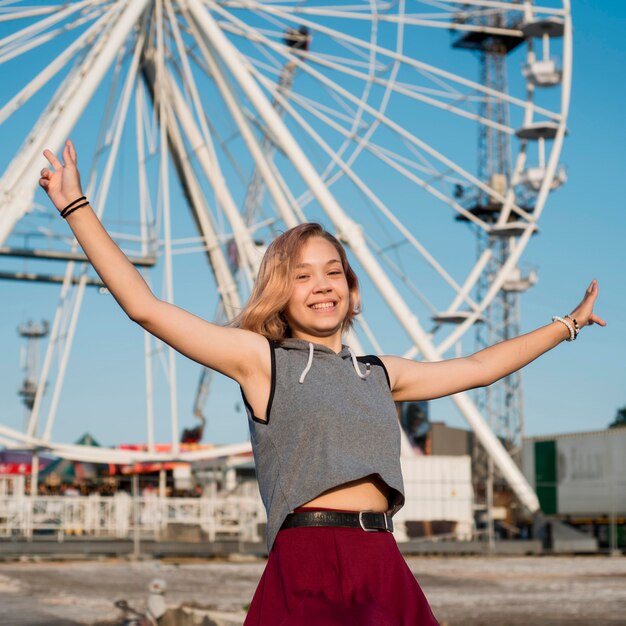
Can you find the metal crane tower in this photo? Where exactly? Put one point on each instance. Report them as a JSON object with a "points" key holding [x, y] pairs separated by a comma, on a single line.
{"points": [[501, 403]]}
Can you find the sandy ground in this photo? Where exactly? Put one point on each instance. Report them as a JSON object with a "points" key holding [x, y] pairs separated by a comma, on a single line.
{"points": [[462, 591]]}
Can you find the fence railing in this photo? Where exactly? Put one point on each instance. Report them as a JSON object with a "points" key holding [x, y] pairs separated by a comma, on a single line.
{"points": [[121, 516]]}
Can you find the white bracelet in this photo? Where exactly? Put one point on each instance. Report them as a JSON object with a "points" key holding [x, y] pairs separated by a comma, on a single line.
{"points": [[572, 336], [576, 326]]}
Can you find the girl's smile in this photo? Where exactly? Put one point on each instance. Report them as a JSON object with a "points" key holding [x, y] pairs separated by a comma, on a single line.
{"points": [[323, 306]]}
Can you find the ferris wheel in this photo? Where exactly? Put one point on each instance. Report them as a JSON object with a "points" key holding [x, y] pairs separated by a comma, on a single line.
{"points": [[262, 115]]}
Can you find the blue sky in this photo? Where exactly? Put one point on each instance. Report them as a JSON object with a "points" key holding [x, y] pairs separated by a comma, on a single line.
{"points": [[577, 386]]}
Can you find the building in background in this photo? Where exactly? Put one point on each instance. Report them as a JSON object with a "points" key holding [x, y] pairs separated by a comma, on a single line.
{"points": [[581, 479]]}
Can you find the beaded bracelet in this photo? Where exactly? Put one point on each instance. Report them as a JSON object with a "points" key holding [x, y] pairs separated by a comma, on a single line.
{"points": [[572, 335], [576, 326], [66, 211]]}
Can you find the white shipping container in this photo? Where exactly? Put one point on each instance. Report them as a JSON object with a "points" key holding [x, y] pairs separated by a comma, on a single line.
{"points": [[590, 471], [437, 488]]}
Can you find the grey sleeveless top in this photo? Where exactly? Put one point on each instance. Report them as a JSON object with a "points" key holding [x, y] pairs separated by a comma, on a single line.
{"points": [[330, 420]]}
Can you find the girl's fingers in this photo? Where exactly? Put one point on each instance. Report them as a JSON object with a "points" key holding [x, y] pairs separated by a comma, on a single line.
{"points": [[597, 320], [43, 182], [72, 151], [52, 159]]}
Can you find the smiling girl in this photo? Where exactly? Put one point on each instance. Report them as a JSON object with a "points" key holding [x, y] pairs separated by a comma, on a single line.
{"points": [[323, 424]]}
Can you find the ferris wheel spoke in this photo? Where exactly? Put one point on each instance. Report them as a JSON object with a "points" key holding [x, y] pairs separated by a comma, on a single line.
{"points": [[363, 60], [405, 90], [472, 277], [448, 8], [386, 158], [445, 20], [369, 334], [393, 160], [145, 203], [367, 60], [13, 51], [382, 107], [59, 117], [502, 4], [392, 125], [344, 115], [207, 159], [372, 66], [9, 14], [41, 25], [119, 120], [401, 275], [280, 200], [494, 287], [285, 25], [420, 94], [215, 132], [338, 35], [223, 276], [371, 147], [422, 165], [52, 68]]}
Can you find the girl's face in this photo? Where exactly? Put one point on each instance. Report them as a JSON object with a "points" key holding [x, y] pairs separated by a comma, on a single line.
{"points": [[320, 295]]}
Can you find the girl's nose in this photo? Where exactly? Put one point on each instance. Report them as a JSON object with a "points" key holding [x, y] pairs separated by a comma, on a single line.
{"points": [[322, 284]]}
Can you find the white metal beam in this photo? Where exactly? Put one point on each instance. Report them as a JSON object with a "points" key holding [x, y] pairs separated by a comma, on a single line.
{"points": [[19, 182], [282, 204], [205, 154], [52, 68], [226, 284]]}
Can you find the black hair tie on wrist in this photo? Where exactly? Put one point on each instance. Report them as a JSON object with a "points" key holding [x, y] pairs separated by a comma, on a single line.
{"points": [[68, 209], [80, 206]]}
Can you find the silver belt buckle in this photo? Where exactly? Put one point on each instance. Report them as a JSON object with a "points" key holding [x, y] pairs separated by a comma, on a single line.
{"points": [[373, 530]]}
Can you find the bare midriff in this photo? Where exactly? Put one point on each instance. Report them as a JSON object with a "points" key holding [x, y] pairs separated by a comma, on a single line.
{"points": [[365, 494]]}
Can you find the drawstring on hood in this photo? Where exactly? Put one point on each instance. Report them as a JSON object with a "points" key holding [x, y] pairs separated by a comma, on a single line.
{"points": [[305, 371], [355, 364], [368, 367]]}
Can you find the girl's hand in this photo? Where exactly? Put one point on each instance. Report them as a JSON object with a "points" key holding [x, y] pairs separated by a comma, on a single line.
{"points": [[63, 183], [583, 313]]}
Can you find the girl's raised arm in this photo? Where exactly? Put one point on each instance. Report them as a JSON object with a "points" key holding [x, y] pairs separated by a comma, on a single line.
{"points": [[237, 353], [412, 380]]}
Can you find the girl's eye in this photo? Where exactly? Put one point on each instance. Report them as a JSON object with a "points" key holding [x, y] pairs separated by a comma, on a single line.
{"points": [[335, 272], [301, 276]]}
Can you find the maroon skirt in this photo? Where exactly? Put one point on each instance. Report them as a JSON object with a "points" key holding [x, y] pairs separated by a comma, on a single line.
{"points": [[337, 576]]}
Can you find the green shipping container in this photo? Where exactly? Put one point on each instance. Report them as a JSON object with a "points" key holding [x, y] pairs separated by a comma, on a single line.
{"points": [[546, 475]]}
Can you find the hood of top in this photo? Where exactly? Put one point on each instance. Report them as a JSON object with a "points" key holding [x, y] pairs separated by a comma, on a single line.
{"points": [[291, 343]]}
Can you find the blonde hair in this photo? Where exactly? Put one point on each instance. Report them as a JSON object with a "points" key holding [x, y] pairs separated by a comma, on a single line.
{"points": [[263, 313]]}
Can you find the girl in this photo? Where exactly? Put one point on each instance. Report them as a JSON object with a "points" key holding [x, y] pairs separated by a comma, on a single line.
{"points": [[323, 424]]}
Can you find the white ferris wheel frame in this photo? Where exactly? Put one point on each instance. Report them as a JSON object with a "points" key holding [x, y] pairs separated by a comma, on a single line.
{"points": [[176, 119]]}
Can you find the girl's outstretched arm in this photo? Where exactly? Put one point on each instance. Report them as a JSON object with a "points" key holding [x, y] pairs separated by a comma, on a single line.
{"points": [[412, 380], [239, 354]]}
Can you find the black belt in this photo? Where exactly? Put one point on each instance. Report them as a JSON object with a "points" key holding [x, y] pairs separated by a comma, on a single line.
{"points": [[367, 520]]}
